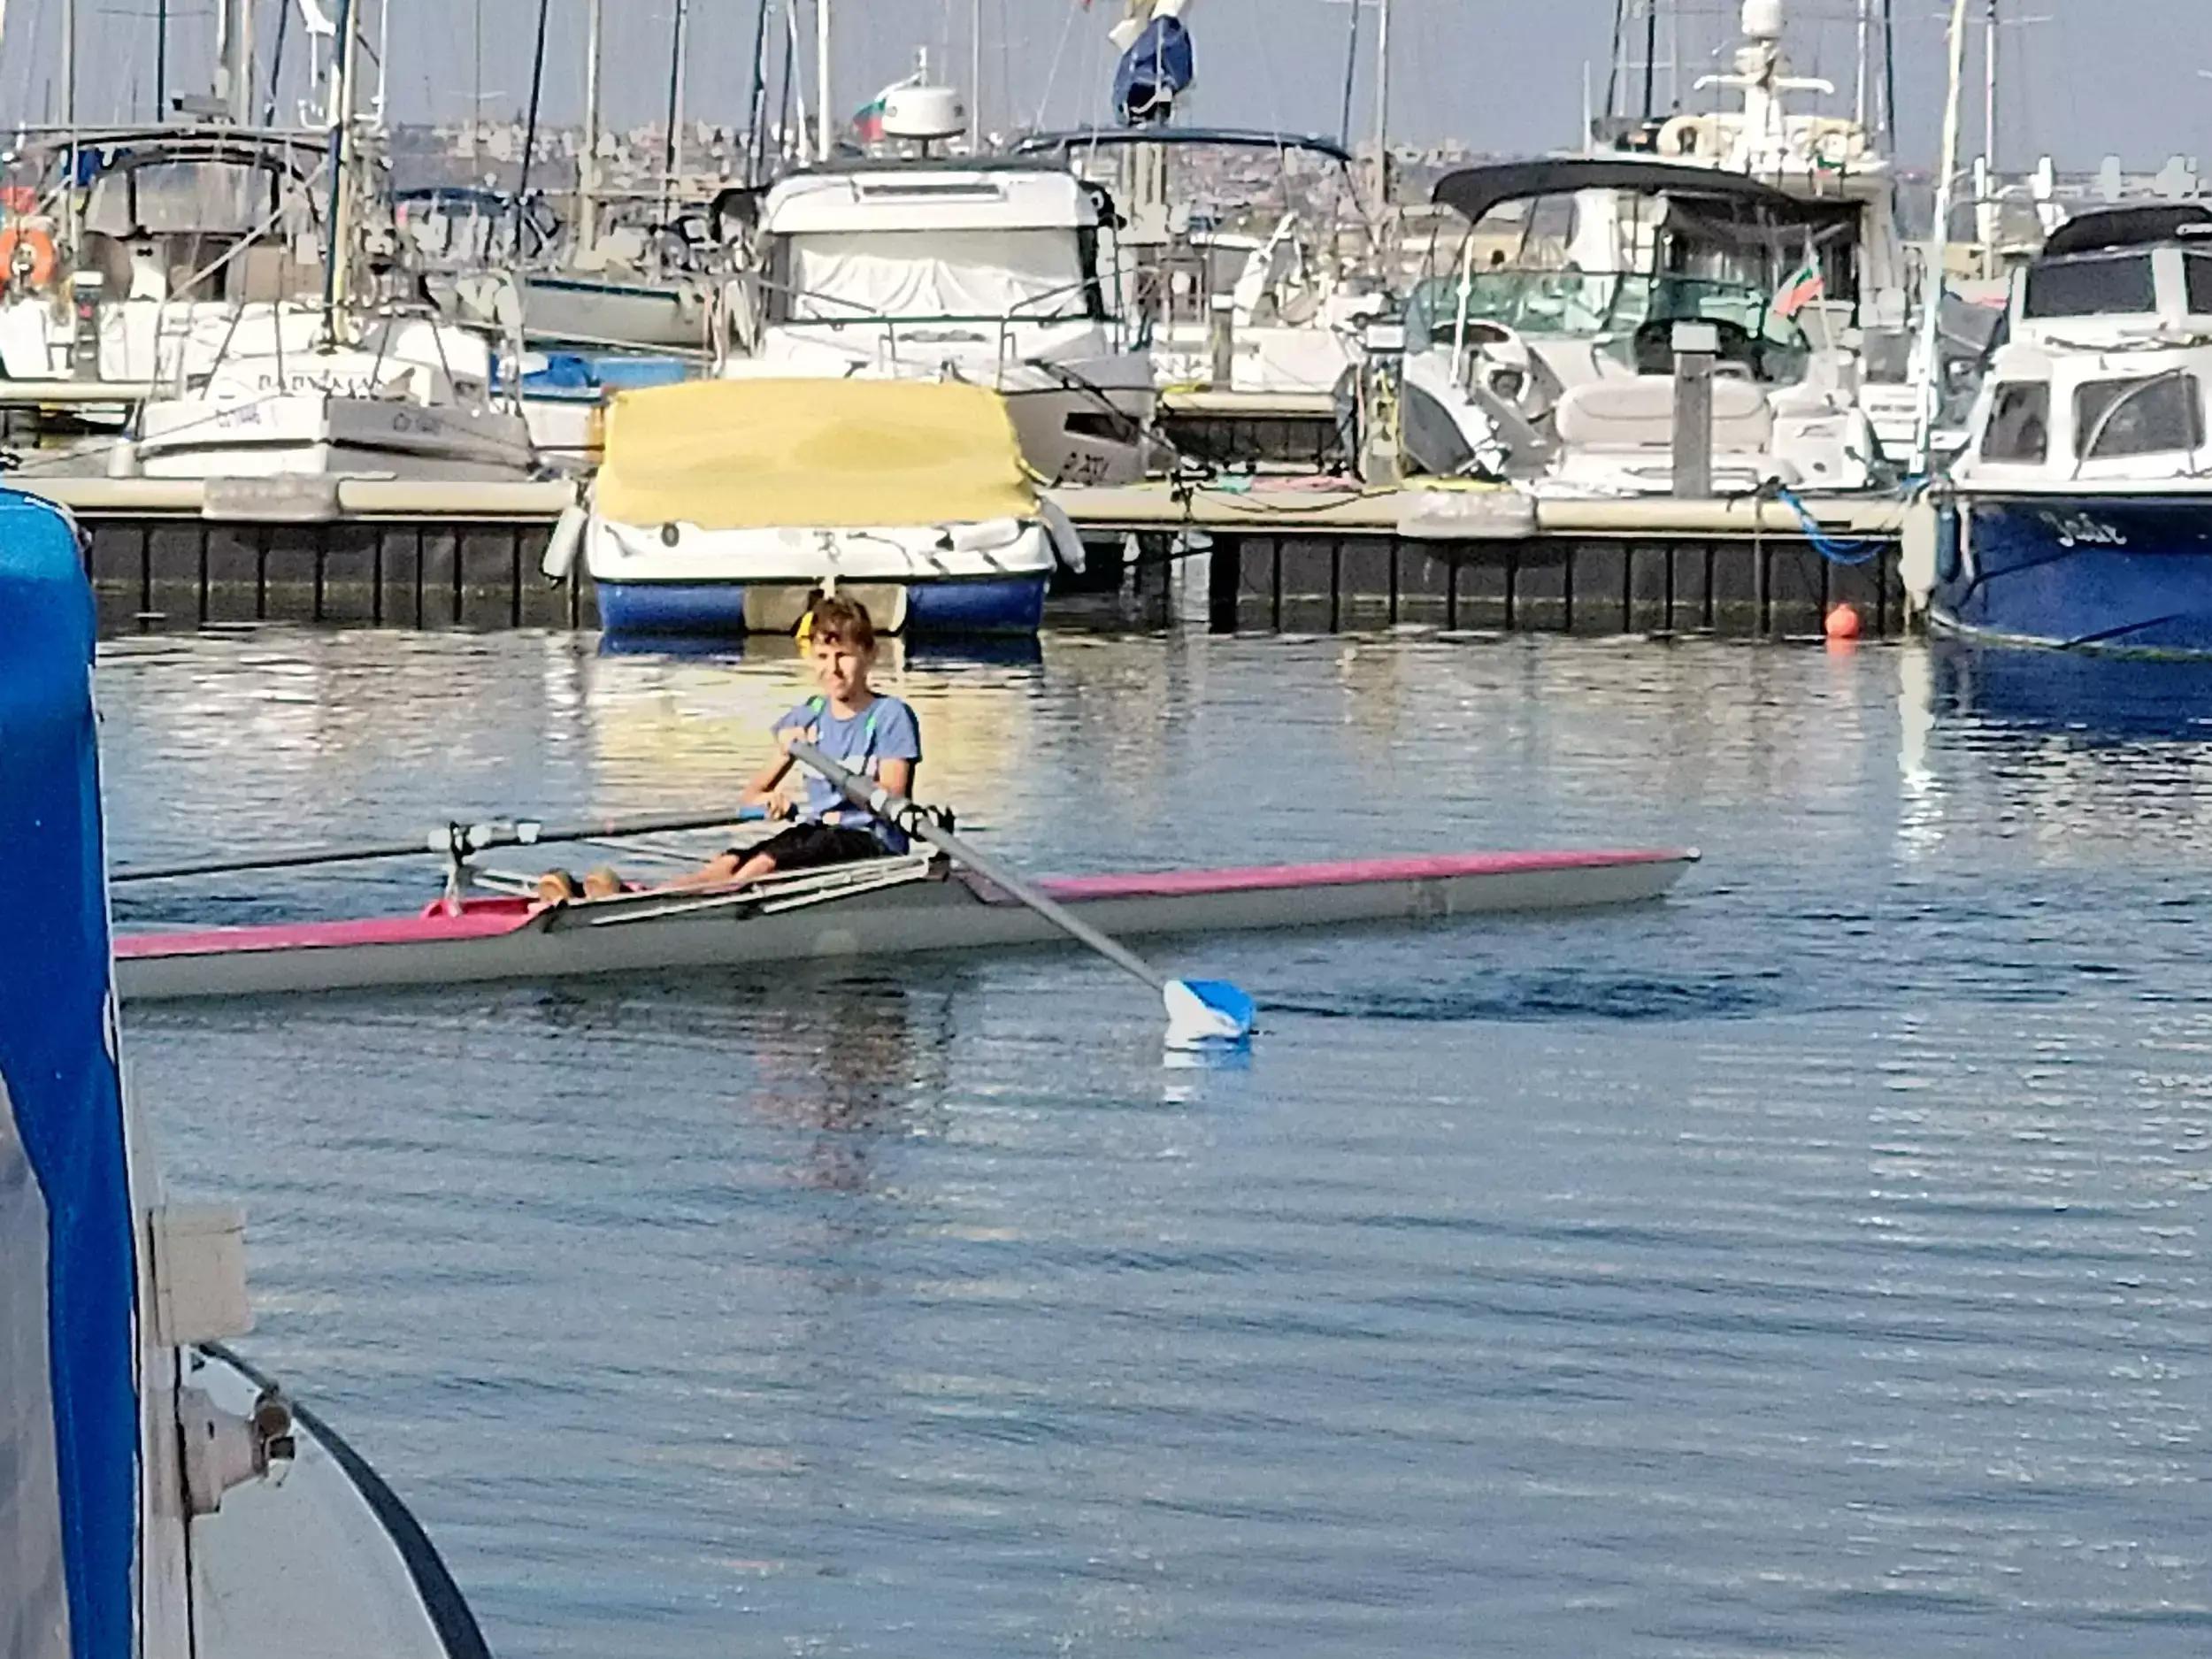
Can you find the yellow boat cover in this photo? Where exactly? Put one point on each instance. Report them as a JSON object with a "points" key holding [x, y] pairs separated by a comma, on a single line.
{"points": [[834, 455]]}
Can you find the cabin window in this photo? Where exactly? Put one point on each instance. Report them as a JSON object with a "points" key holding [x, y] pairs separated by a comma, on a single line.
{"points": [[2198, 267], [2019, 422], [2091, 287], [2160, 415]]}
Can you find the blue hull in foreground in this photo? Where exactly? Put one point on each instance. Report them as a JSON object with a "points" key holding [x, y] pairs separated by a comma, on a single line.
{"points": [[706, 609], [2102, 572]]}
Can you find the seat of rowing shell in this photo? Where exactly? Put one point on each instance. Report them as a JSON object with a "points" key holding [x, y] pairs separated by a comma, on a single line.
{"points": [[1637, 413]]}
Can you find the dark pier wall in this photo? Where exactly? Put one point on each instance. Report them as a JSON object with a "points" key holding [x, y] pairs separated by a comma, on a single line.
{"points": [[173, 573], [182, 573], [1331, 583]]}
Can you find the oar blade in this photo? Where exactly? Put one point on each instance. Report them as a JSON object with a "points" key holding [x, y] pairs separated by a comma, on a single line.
{"points": [[1206, 1014]]}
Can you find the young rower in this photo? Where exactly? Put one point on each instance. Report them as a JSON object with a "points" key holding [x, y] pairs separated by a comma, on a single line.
{"points": [[876, 736]]}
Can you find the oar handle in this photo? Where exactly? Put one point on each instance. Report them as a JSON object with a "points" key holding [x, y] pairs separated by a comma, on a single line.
{"points": [[886, 805]]}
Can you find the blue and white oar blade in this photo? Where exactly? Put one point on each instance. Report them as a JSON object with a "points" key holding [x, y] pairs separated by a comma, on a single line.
{"points": [[1206, 1013]]}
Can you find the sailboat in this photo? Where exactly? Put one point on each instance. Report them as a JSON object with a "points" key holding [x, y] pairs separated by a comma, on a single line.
{"points": [[245, 289], [159, 1496]]}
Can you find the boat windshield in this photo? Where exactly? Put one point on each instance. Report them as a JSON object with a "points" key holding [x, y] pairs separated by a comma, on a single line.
{"points": [[1611, 307], [192, 198], [2105, 286], [1038, 274]]}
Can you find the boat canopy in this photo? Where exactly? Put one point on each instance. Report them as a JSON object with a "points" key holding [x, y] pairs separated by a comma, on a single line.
{"points": [[2107, 229], [68, 1399], [1475, 193], [813, 454], [914, 197]]}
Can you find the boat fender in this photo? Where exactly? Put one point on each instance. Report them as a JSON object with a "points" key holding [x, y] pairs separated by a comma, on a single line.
{"points": [[1067, 541], [567, 538]]}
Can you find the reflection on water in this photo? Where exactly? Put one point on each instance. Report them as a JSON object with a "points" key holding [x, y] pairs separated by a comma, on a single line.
{"points": [[1815, 1262]]}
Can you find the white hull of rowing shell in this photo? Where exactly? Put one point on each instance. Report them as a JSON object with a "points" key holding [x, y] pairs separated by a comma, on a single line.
{"points": [[929, 916]]}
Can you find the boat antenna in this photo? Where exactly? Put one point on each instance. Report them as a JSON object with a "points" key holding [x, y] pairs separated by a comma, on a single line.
{"points": [[1939, 244], [1889, 74], [161, 60], [530, 126], [1613, 70], [1651, 58]]}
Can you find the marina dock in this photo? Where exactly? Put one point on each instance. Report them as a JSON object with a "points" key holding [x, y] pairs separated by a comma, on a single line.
{"points": [[1289, 556]]}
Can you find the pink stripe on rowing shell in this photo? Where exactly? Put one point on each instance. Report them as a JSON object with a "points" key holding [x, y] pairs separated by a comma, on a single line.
{"points": [[1265, 878], [477, 922]]}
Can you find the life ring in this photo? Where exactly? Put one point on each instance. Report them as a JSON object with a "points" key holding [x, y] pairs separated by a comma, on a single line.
{"points": [[17, 240], [1683, 135]]}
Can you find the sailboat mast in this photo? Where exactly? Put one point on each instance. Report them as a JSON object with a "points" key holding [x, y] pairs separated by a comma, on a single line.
{"points": [[1866, 38], [1932, 293], [672, 151], [1382, 109], [1989, 87], [341, 163], [588, 166], [69, 118], [975, 77], [825, 138]]}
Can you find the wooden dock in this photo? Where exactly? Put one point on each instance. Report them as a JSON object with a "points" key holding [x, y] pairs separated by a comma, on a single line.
{"points": [[1270, 554]]}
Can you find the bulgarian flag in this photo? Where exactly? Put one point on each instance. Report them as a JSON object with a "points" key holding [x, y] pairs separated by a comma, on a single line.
{"points": [[868, 119], [1805, 286]]}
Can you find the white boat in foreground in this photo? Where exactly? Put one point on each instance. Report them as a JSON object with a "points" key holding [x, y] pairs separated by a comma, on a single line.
{"points": [[140, 1509], [884, 908]]}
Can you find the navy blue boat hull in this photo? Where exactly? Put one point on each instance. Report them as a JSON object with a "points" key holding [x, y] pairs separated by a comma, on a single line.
{"points": [[2115, 573], [707, 609]]}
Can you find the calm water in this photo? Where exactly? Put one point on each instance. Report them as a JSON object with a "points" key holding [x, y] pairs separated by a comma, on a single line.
{"points": [[1817, 1262]]}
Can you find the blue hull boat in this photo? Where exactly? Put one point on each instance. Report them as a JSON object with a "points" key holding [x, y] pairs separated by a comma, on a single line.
{"points": [[2102, 572], [946, 609]]}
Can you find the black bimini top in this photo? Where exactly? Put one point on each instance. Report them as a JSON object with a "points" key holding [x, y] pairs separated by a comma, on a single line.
{"points": [[2106, 228], [1474, 193], [1219, 137]]}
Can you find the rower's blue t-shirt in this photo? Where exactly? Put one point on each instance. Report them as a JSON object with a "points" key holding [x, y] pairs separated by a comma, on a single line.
{"points": [[885, 730]]}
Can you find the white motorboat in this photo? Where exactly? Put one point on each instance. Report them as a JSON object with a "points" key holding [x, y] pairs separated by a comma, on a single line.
{"points": [[1547, 354], [143, 1513], [981, 271], [724, 506]]}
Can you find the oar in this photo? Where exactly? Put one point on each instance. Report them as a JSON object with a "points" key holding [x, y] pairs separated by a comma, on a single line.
{"points": [[453, 841], [1198, 1012]]}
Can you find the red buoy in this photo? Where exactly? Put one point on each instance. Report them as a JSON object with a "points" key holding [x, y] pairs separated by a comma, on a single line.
{"points": [[1843, 623]]}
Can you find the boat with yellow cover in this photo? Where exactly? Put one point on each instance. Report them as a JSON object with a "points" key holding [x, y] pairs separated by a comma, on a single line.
{"points": [[723, 505]]}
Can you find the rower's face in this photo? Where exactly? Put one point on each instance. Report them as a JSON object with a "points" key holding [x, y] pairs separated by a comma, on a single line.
{"points": [[842, 668]]}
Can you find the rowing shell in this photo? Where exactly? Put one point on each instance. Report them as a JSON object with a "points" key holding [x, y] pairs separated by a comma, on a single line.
{"points": [[890, 907]]}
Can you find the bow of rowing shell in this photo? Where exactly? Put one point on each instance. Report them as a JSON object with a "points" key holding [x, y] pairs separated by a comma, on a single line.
{"points": [[899, 907]]}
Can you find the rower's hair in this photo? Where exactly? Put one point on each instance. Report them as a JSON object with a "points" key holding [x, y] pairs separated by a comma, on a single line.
{"points": [[842, 621]]}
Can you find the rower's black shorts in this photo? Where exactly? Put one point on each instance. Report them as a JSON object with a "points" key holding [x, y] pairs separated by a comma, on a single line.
{"points": [[813, 846]]}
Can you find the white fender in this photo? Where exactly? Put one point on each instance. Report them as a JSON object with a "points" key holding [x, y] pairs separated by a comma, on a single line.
{"points": [[1067, 542], [567, 538], [981, 535]]}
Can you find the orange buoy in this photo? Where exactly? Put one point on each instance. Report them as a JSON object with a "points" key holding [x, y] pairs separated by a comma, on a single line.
{"points": [[1843, 623], [28, 251]]}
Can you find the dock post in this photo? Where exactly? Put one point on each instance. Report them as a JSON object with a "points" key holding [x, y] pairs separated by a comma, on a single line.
{"points": [[1222, 337], [1696, 348], [1381, 428]]}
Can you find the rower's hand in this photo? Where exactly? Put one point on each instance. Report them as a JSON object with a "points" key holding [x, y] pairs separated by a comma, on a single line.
{"points": [[791, 734], [782, 806]]}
